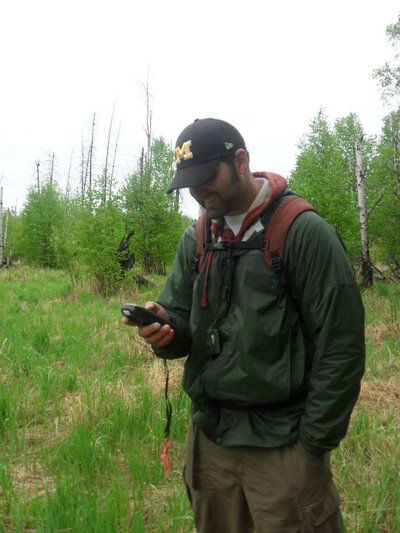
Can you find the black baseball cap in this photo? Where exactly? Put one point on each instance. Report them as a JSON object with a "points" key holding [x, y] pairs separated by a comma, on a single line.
{"points": [[199, 148]]}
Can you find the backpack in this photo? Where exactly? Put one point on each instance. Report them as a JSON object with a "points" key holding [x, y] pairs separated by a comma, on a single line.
{"points": [[281, 214]]}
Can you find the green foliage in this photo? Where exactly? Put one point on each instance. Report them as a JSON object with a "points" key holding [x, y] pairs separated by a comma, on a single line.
{"points": [[82, 234], [66, 239], [384, 181], [13, 235], [388, 76], [42, 217], [325, 175], [151, 213], [98, 231]]}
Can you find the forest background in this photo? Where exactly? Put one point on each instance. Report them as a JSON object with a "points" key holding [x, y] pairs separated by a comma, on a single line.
{"points": [[352, 179]]}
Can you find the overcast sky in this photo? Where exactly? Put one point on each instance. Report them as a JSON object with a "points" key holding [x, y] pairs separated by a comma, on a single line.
{"points": [[265, 66]]}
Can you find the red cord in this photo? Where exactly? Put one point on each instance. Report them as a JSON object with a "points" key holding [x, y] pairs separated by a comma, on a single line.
{"points": [[165, 459]]}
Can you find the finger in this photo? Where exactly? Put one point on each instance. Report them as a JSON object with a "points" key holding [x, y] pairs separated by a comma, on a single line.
{"points": [[152, 306], [157, 336], [151, 329], [128, 322], [158, 309], [164, 340]]}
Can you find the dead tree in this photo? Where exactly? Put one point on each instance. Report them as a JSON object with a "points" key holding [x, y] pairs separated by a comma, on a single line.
{"points": [[90, 154], [68, 187], [366, 265], [87, 162], [148, 128], [38, 175], [141, 163], [51, 168], [126, 258], [105, 171], [1, 228], [113, 163]]}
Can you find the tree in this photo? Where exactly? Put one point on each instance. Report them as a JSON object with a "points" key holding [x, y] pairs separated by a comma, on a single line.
{"points": [[366, 266], [98, 230], [324, 174], [42, 216], [384, 183], [388, 76], [150, 212], [87, 162]]}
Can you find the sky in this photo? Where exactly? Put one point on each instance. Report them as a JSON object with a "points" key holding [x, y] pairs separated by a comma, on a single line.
{"points": [[267, 67]]}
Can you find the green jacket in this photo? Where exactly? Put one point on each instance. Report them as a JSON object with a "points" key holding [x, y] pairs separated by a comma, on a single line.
{"points": [[278, 377]]}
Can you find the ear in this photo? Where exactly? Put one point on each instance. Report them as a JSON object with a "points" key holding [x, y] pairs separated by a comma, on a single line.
{"points": [[242, 161]]}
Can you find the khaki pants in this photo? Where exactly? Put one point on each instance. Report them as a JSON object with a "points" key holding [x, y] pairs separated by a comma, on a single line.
{"points": [[242, 490]]}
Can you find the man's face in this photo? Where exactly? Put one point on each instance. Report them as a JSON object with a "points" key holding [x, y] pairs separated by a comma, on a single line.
{"points": [[222, 194]]}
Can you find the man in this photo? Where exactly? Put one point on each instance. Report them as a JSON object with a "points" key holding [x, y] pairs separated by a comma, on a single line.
{"points": [[273, 372]]}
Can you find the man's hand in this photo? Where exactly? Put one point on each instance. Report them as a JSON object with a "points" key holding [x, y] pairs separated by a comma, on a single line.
{"points": [[154, 334]]}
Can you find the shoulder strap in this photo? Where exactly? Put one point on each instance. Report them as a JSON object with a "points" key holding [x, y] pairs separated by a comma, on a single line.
{"points": [[284, 215], [203, 235], [282, 219]]}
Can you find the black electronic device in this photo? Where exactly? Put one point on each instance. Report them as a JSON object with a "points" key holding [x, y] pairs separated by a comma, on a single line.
{"points": [[141, 315]]}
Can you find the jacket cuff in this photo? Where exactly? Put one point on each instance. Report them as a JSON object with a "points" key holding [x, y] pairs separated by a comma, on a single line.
{"points": [[313, 450], [173, 350]]}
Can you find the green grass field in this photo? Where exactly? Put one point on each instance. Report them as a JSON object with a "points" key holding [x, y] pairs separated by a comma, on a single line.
{"points": [[82, 416]]}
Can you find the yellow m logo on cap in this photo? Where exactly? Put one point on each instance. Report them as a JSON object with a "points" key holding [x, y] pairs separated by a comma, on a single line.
{"points": [[183, 152]]}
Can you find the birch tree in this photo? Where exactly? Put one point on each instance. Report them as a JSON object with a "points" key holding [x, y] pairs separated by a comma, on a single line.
{"points": [[366, 267]]}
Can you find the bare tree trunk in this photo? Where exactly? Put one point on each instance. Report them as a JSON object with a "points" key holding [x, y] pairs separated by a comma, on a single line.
{"points": [[91, 148], [107, 155], [142, 163], [38, 175], [148, 128], [113, 163], [68, 187], [366, 267], [1, 228], [87, 162], [86, 173]]}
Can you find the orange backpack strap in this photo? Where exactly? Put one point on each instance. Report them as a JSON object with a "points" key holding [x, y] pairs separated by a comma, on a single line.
{"points": [[203, 235], [283, 217]]}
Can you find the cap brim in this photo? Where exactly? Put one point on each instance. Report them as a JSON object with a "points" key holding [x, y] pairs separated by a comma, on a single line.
{"points": [[193, 176]]}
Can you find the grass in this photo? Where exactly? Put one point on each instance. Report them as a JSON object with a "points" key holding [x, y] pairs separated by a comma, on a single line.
{"points": [[82, 416], [368, 461]]}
